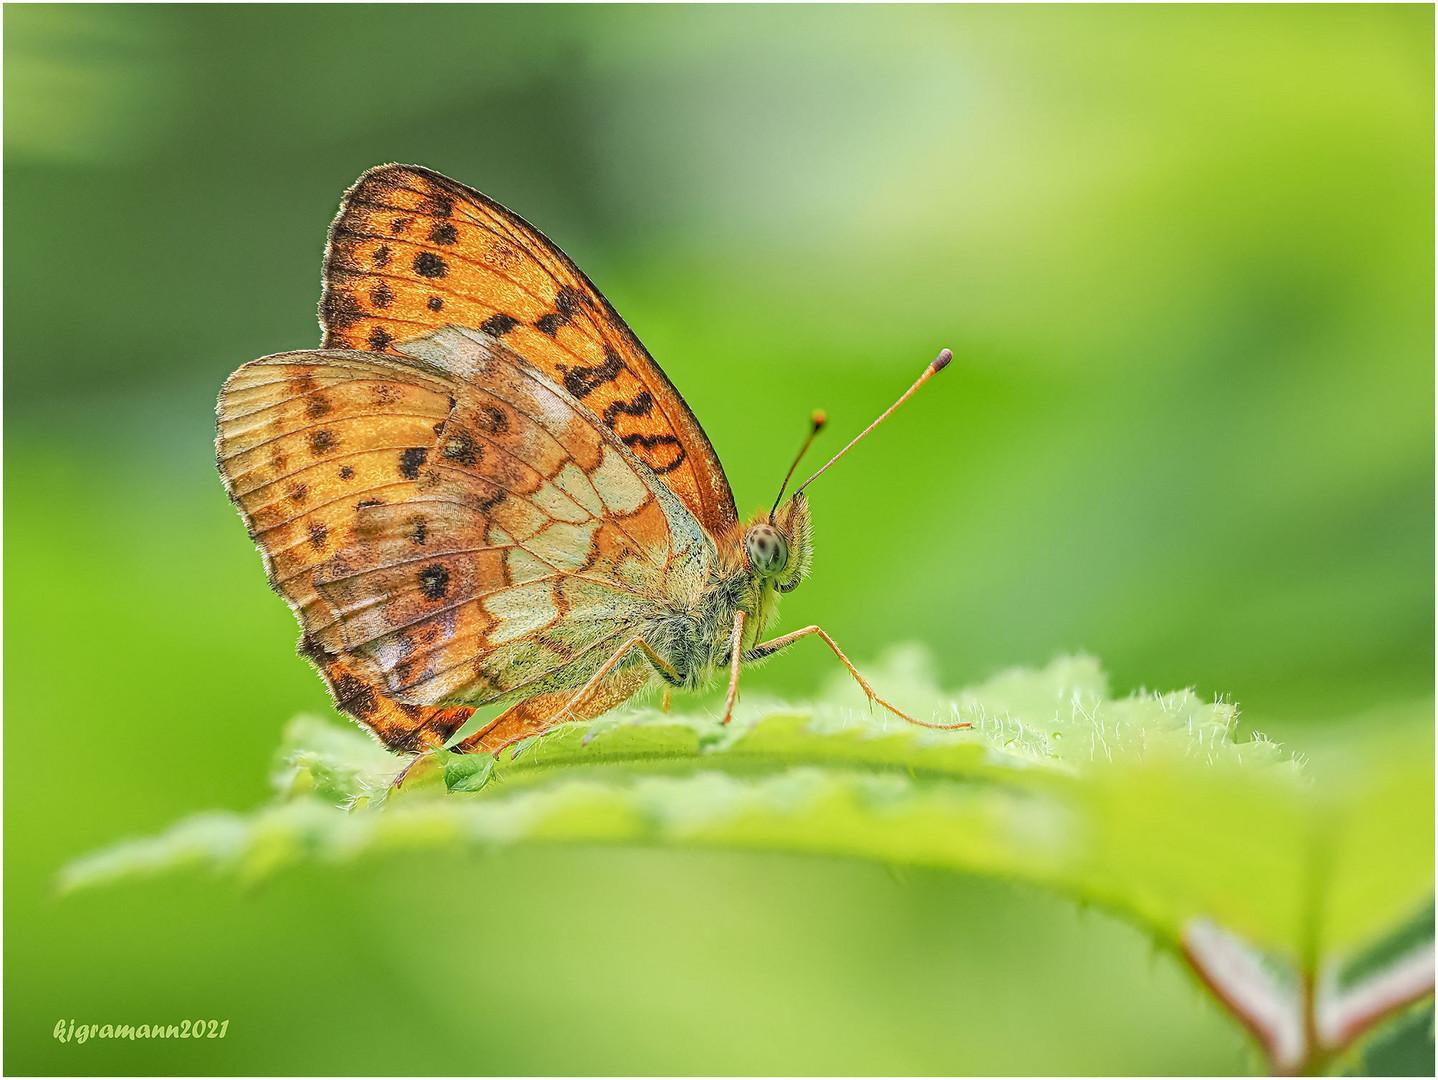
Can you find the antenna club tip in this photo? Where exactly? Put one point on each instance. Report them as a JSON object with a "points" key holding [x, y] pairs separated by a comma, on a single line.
{"points": [[819, 419], [941, 361]]}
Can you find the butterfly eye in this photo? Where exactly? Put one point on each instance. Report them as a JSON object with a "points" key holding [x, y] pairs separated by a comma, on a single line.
{"points": [[768, 551]]}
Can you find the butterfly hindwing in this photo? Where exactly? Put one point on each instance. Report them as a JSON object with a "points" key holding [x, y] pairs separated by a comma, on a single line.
{"points": [[303, 440], [411, 251], [451, 527]]}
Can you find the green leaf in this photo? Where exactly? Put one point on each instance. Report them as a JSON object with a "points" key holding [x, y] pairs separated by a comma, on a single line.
{"points": [[467, 772], [1238, 855]]}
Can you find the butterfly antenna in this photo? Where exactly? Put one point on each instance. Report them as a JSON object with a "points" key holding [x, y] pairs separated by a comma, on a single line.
{"points": [[818, 420], [940, 362]]}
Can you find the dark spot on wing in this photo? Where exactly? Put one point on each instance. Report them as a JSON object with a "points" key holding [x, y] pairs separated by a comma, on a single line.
{"points": [[299, 493], [435, 303], [484, 506], [342, 229], [443, 232], [318, 534], [549, 324], [317, 405], [400, 224], [649, 443], [428, 264], [583, 381], [380, 338], [568, 301], [308, 646], [492, 419], [438, 204], [499, 325], [346, 473], [411, 460], [340, 310], [321, 441], [355, 696], [420, 529], [640, 406], [381, 255], [380, 296], [462, 449], [434, 581]]}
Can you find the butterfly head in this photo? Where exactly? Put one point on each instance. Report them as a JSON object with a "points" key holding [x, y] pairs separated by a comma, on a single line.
{"points": [[778, 546]]}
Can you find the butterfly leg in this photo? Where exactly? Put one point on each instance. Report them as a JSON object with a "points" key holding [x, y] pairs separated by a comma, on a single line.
{"points": [[663, 666], [736, 653], [606, 689], [769, 648]]}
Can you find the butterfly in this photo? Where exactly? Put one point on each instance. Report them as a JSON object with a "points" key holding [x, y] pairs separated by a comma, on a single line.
{"points": [[482, 489]]}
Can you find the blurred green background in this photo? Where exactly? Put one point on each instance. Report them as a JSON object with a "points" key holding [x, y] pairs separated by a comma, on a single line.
{"points": [[1184, 257]]}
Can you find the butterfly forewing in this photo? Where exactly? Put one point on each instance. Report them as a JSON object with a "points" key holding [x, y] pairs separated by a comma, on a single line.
{"points": [[412, 251], [451, 527]]}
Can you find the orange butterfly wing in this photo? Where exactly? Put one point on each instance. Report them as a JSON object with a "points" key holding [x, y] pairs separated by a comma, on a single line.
{"points": [[450, 526], [300, 446], [412, 250]]}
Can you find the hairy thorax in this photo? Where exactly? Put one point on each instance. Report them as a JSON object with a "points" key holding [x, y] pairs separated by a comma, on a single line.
{"points": [[694, 629], [696, 637]]}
